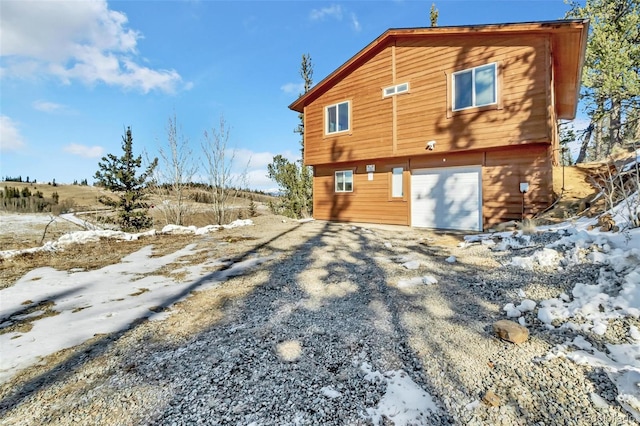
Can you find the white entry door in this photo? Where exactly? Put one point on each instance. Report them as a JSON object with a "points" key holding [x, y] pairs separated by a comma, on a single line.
{"points": [[447, 198]]}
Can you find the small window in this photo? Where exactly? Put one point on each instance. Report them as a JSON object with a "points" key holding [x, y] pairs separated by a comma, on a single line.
{"points": [[337, 117], [396, 182], [344, 181], [395, 90], [475, 87]]}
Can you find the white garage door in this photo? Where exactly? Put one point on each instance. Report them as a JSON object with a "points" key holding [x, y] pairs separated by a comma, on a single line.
{"points": [[447, 198]]}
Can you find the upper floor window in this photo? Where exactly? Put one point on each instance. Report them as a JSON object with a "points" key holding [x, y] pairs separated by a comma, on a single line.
{"points": [[337, 117], [395, 90], [344, 181], [475, 87]]}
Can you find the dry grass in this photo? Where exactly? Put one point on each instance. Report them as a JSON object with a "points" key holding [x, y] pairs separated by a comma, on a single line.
{"points": [[89, 256], [84, 197], [31, 236], [528, 226], [571, 184], [21, 321]]}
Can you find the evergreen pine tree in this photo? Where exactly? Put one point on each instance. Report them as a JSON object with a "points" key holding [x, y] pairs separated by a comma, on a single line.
{"points": [[253, 209], [433, 15], [119, 175], [611, 74], [296, 179]]}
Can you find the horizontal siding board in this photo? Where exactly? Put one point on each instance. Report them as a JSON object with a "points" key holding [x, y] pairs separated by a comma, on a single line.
{"points": [[511, 142], [368, 202], [421, 112], [370, 120], [502, 172]]}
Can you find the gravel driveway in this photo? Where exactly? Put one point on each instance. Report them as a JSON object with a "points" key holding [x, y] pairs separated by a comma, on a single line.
{"points": [[318, 334]]}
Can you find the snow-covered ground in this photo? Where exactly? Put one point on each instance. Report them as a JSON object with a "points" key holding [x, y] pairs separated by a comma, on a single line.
{"points": [[111, 298], [100, 301], [591, 305]]}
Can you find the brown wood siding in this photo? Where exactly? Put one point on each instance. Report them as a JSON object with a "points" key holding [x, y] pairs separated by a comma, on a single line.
{"points": [[422, 114], [447, 160], [401, 125], [514, 141], [501, 177], [502, 172], [370, 135], [369, 202]]}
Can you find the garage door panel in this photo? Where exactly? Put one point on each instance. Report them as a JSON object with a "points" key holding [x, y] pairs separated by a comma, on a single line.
{"points": [[447, 198]]}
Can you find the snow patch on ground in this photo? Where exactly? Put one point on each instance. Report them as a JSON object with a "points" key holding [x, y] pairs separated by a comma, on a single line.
{"points": [[621, 364], [404, 403], [592, 305], [83, 237], [415, 281], [106, 300]]}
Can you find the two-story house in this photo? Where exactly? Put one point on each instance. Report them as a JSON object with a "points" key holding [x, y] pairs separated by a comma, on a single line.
{"points": [[444, 127]]}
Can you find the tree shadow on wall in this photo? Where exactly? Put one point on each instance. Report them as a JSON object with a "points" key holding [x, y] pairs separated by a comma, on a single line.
{"points": [[462, 126]]}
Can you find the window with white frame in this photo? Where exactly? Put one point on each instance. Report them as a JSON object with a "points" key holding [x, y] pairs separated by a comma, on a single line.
{"points": [[395, 90], [337, 117], [475, 87], [344, 181], [397, 182]]}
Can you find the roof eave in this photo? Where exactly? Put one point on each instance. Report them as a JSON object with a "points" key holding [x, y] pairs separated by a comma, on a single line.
{"points": [[571, 115], [391, 34]]}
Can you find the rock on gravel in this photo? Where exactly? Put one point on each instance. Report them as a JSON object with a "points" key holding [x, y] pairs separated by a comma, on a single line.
{"points": [[510, 331]]}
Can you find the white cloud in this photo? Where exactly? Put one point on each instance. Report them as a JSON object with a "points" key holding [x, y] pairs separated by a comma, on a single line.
{"points": [[260, 159], [355, 22], [10, 137], [258, 179], [73, 40], [333, 11], [256, 172], [46, 106], [292, 88], [84, 151]]}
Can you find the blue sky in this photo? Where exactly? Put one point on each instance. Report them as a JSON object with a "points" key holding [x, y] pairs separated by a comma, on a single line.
{"points": [[74, 74]]}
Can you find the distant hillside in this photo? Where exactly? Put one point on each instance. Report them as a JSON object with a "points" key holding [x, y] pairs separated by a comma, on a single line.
{"points": [[84, 197], [87, 196]]}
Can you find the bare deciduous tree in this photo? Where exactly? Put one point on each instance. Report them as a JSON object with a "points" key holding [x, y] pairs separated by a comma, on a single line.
{"points": [[175, 175], [218, 166]]}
